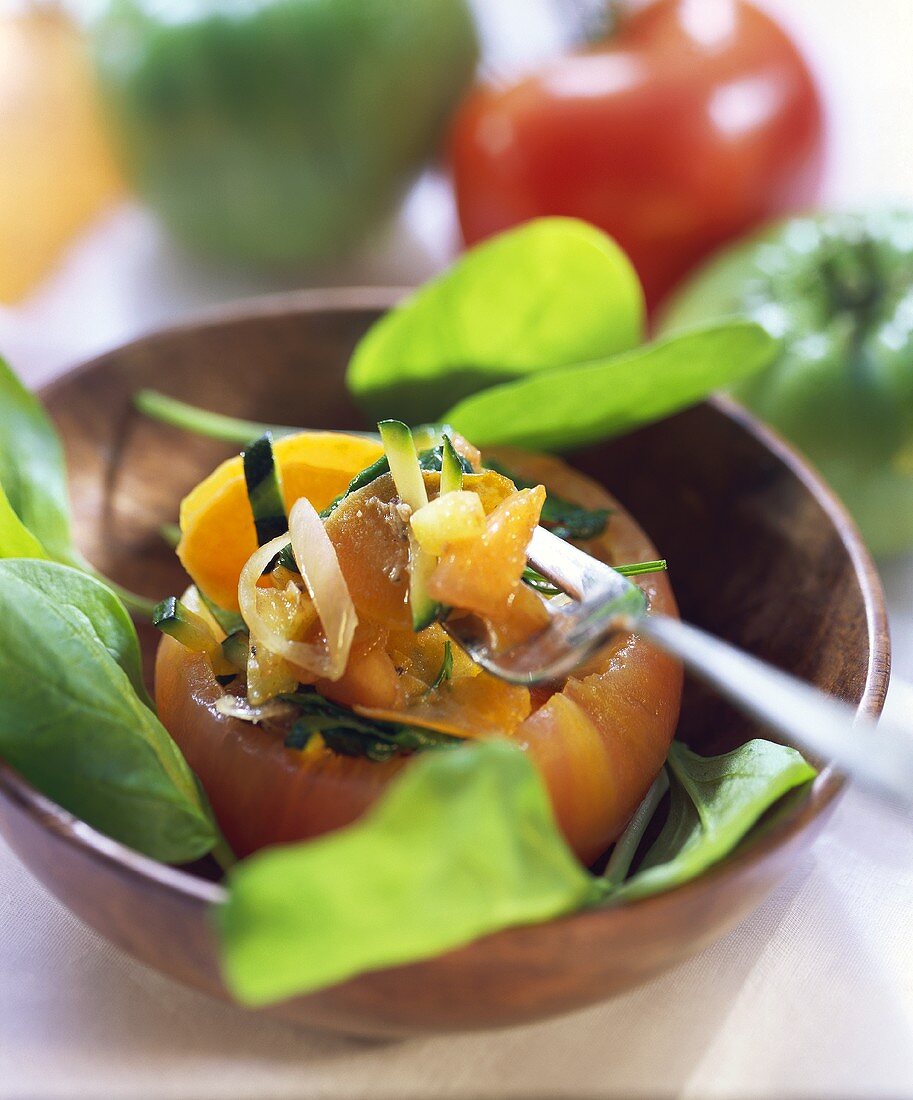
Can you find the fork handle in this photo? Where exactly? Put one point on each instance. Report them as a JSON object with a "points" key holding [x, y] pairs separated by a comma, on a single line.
{"points": [[878, 757]]}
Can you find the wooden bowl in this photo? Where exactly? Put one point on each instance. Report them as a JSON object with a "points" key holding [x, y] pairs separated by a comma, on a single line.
{"points": [[760, 553]]}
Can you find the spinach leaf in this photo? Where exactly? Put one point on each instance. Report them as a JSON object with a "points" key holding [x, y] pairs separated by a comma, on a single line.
{"points": [[715, 801], [551, 292], [33, 477], [575, 405], [462, 844], [73, 724], [88, 599], [16, 540], [31, 466]]}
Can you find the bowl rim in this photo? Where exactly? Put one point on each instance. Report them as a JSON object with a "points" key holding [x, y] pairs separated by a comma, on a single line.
{"points": [[826, 787]]}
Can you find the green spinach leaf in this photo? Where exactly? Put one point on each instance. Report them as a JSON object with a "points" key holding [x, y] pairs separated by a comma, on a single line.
{"points": [[552, 292], [89, 599], [31, 466], [73, 724], [715, 801], [575, 405], [16, 540], [33, 477], [461, 845]]}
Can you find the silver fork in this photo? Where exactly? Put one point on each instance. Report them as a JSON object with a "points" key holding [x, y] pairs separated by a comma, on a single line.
{"points": [[606, 603]]}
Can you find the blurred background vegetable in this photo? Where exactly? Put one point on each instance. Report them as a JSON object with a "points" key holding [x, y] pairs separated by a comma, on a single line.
{"points": [[837, 291], [56, 171], [688, 125], [279, 132]]}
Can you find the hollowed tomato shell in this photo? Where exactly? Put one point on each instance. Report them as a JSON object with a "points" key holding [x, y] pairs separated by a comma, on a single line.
{"points": [[598, 742]]}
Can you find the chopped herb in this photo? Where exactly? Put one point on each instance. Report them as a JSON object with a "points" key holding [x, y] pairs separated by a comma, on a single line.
{"points": [[639, 568], [534, 578], [451, 468], [349, 734], [446, 669], [339, 739], [562, 517], [286, 559]]}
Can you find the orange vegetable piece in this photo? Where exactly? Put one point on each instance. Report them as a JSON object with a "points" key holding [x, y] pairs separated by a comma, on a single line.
{"points": [[483, 576]]}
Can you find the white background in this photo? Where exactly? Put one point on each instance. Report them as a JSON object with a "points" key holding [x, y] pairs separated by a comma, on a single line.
{"points": [[812, 996]]}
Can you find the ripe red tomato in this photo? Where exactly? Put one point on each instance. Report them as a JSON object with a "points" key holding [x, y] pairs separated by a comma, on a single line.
{"points": [[696, 120]]}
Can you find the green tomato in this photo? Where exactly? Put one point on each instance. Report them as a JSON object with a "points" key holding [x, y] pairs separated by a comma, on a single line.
{"points": [[279, 132], [837, 291]]}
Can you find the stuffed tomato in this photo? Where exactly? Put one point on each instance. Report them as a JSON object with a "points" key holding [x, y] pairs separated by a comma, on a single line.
{"points": [[307, 663]]}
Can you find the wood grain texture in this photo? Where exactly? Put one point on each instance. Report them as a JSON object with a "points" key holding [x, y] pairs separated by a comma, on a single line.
{"points": [[760, 553]]}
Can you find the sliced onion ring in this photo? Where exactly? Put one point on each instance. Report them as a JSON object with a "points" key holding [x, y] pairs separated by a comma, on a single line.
{"points": [[233, 706], [319, 565]]}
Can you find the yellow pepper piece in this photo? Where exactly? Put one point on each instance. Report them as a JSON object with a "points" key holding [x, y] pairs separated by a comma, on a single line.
{"points": [[453, 517]]}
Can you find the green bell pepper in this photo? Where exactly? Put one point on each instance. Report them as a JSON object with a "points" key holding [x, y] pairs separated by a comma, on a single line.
{"points": [[279, 132], [837, 291]]}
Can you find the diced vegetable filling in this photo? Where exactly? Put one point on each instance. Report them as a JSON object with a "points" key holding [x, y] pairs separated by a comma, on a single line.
{"points": [[346, 608]]}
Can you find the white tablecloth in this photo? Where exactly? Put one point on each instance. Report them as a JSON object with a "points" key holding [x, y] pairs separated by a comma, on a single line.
{"points": [[811, 996]]}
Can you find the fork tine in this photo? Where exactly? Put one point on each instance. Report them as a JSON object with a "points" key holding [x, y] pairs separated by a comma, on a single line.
{"points": [[606, 603], [572, 570]]}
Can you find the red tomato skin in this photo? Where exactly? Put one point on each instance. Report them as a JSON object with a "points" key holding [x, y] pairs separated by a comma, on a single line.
{"points": [[696, 121]]}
